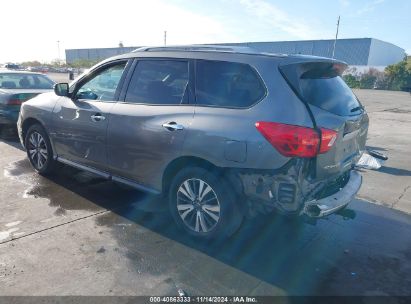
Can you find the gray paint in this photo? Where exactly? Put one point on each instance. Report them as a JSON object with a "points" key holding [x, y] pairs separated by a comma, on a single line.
{"points": [[132, 145]]}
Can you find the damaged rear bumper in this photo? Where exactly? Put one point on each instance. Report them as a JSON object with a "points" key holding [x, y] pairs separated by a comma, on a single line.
{"points": [[289, 191], [333, 203]]}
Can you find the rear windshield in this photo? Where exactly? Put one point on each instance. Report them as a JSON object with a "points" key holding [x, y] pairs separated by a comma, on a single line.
{"points": [[320, 84], [330, 94]]}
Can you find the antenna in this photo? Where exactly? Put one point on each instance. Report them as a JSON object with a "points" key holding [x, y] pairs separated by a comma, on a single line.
{"points": [[336, 36]]}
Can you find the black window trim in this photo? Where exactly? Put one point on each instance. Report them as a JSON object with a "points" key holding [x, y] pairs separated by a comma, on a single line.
{"points": [[77, 85], [133, 68], [227, 107]]}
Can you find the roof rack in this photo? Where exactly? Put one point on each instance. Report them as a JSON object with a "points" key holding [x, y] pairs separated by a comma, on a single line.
{"points": [[198, 48]]}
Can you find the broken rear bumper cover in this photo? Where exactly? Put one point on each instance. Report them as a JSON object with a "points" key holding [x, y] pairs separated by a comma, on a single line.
{"points": [[330, 204], [290, 193]]}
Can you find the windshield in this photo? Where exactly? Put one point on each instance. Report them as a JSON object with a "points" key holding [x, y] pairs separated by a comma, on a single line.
{"points": [[25, 81]]}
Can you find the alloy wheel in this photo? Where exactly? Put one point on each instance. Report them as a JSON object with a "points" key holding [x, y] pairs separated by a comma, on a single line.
{"points": [[37, 150], [198, 205]]}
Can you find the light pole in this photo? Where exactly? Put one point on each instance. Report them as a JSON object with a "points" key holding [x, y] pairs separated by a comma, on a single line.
{"points": [[165, 38], [58, 50], [336, 36]]}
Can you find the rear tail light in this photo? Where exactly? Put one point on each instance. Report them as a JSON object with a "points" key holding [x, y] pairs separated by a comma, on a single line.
{"points": [[296, 141], [14, 102], [18, 99]]}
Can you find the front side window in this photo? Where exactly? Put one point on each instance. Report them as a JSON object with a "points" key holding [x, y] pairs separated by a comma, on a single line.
{"points": [[103, 85], [158, 82], [227, 84]]}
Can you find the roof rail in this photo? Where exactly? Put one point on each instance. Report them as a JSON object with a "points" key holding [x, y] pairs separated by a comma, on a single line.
{"points": [[197, 48]]}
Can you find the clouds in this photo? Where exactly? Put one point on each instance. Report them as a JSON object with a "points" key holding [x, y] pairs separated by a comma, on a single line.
{"points": [[369, 7], [276, 18], [344, 3]]}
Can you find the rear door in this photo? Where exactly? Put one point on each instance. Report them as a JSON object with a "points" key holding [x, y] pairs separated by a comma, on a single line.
{"points": [[148, 126], [80, 123], [333, 106]]}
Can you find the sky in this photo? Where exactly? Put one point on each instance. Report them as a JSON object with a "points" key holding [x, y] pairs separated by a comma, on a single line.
{"points": [[43, 29]]}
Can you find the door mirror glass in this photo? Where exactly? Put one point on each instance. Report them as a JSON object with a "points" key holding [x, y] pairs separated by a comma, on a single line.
{"points": [[86, 95], [61, 89]]}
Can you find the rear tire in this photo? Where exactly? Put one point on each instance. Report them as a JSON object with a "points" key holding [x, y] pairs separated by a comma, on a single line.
{"points": [[203, 204], [39, 150]]}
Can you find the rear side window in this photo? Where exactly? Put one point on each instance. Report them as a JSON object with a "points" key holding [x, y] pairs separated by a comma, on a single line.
{"points": [[158, 82], [227, 84]]}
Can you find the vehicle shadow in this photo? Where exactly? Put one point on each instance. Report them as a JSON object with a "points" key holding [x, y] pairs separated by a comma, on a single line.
{"points": [[10, 137], [336, 256], [395, 171]]}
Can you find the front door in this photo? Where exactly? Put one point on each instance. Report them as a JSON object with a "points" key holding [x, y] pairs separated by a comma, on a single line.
{"points": [[80, 122]]}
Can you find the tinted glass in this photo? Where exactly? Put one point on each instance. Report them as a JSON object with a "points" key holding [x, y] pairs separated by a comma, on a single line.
{"points": [[103, 85], [227, 84], [330, 94], [158, 82], [25, 81]]}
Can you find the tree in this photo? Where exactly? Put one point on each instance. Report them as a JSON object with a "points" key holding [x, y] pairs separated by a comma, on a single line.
{"points": [[33, 63], [351, 81], [83, 63], [399, 75]]}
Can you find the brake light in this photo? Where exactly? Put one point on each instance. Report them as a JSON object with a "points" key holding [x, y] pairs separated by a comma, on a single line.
{"points": [[290, 140], [18, 99], [14, 102], [296, 141], [328, 138]]}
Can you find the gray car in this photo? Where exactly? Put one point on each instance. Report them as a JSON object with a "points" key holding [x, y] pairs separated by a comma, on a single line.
{"points": [[221, 132]]}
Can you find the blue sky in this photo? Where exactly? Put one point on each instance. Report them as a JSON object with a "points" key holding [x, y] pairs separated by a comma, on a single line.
{"points": [[84, 24]]}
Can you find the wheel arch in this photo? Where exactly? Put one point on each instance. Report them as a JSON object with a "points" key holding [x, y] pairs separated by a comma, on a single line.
{"points": [[191, 161], [27, 123], [30, 121]]}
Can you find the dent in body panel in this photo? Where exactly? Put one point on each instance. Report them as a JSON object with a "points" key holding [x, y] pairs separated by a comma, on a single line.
{"points": [[349, 145], [76, 136]]}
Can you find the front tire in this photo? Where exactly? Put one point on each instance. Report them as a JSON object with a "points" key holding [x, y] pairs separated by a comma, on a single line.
{"points": [[39, 150], [203, 204]]}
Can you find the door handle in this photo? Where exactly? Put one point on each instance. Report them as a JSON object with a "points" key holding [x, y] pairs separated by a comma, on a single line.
{"points": [[172, 126], [97, 117]]}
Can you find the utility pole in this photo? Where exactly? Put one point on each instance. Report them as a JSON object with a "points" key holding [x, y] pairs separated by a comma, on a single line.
{"points": [[165, 38], [336, 36], [58, 50]]}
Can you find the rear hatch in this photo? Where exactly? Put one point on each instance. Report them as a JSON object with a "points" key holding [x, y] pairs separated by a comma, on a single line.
{"points": [[332, 105]]}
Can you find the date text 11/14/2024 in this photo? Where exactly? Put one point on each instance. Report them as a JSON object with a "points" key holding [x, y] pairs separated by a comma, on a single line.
{"points": [[203, 299]]}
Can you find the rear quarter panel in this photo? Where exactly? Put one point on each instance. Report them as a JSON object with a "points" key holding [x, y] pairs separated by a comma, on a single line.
{"points": [[228, 137]]}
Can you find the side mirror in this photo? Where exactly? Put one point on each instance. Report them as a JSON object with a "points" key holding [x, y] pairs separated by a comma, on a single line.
{"points": [[61, 89]]}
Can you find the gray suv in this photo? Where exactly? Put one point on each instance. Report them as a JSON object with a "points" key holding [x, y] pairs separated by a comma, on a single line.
{"points": [[221, 132]]}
